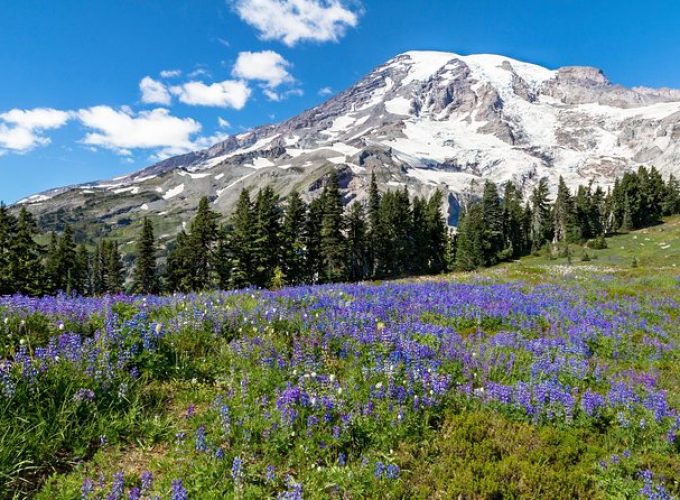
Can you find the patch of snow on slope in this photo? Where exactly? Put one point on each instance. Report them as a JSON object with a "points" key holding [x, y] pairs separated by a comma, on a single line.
{"points": [[424, 64], [260, 162], [177, 190], [657, 111], [398, 106], [36, 198], [340, 124], [194, 176]]}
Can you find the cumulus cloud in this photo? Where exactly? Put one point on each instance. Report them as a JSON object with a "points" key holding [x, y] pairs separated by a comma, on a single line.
{"points": [[122, 130], [226, 94], [22, 130], [325, 91], [266, 66], [292, 21], [154, 92], [223, 123]]}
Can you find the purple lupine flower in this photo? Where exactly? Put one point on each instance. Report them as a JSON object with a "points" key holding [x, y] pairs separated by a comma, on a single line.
{"points": [[237, 469], [379, 469], [200, 442], [147, 481], [178, 491], [270, 474], [87, 488], [392, 471], [118, 487]]}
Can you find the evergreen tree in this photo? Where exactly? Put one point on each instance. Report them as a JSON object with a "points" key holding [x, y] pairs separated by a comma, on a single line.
{"points": [[451, 246], [419, 245], [114, 276], [26, 272], [436, 234], [178, 272], [293, 241], [375, 238], [670, 204], [201, 242], [241, 243], [224, 257], [627, 223], [357, 243], [652, 193], [513, 219], [492, 224], [145, 275], [266, 238], [314, 263], [565, 224], [541, 224], [7, 232], [332, 239], [471, 245], [65, 262], [81, 274], [97, 286]]}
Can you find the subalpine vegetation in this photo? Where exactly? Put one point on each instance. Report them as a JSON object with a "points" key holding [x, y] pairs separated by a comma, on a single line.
{"points": [[269, 242]]}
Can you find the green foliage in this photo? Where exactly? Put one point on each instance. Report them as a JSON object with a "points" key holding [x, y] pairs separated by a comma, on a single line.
{"points": [[145, 275]]}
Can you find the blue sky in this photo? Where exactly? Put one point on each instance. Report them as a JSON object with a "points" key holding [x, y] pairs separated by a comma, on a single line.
{"points": [[90, 90]]}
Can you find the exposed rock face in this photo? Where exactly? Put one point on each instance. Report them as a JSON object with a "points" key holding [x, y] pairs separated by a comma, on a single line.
{"points": [[424, 120]]}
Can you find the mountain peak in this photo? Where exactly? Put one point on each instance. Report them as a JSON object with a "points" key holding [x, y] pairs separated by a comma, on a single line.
{"points": [[424, 120]]}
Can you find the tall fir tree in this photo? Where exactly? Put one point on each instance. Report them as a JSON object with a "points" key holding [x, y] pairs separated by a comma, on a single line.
{"points": [[242, 236], [26, 269], [202, 240], [357, 243], [565, 224], [114, 275], [375, 238], [293, 240], [492, 222], [436, 232], [7, 233], [266, 247], [541, 224], [670, 204], [81, 274], [470, 241], [145, 274], [513, 227], [178, 270], [314, 263], [332, 238]]}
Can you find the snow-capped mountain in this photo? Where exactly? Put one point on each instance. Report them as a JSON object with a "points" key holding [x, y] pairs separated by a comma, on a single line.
{"points": [[424, 120]]}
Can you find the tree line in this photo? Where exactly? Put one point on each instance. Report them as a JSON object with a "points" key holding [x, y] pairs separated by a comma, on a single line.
{"points": [[272, 242], [269, 242], [496, 229]]}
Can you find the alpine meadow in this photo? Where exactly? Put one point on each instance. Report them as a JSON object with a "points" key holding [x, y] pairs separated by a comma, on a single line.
{"points": [[458, 278]]}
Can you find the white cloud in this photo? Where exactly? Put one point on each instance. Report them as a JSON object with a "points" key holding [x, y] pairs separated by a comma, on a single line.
{"points": [[266, 66], [21, 130], [275, 96], [154, 92], [325, 91], [200, 71], [227, 94], [171, 73], [292, 21], [223, 123], [122, 130]]}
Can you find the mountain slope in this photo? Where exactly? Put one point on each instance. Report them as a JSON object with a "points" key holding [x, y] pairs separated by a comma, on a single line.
{"points": [[423, 120]]}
